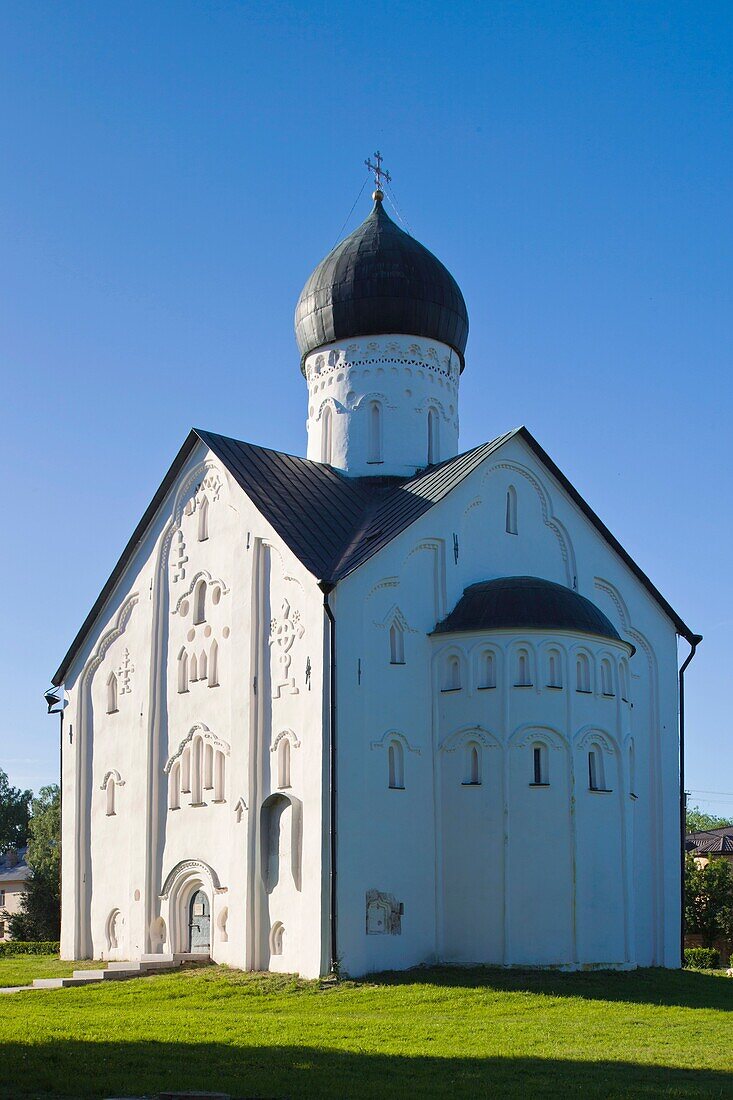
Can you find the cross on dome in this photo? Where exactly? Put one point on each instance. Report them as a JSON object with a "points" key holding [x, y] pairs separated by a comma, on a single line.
{"points": [[379, 175]]}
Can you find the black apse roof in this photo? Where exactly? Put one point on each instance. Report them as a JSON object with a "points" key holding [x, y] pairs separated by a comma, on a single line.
{"points": [[334, 523], [526, 603], [380, 280]]}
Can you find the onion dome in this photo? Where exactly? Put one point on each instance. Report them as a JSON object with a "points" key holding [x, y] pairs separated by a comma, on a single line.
{"points": [[526, 603], [380, 280]]}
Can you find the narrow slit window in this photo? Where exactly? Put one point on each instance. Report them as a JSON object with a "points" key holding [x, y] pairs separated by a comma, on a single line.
{"points": [[203, 520], [596, 780], [110, 796], [473, 765], [540, 771], [174, 787], [326, 435], [374, 450], [433, 437], [554, 670], [199, 603], [186, 770], [524, 677], [219, 766], [452, 675], [632, 770], [583, 673], [284, 764], [487, 673], [214, 665], [197, 794], [111, 694], [193, 666], [396, 764], [511, 511], [182, 672], [606, 677], [396, 644], [623, 684], [208, 767]]}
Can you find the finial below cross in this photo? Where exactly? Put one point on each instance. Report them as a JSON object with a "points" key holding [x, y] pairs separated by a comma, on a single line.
{"points": [[379, 172]]}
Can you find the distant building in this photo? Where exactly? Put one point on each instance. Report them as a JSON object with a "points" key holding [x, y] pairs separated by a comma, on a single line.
{"points": [[711, 844], [384, 705], [14, 872]]}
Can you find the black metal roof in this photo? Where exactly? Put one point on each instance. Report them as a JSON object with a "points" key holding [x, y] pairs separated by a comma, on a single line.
{"points": [[334, 523], [380, 280], [710, 841], [526, 603]]}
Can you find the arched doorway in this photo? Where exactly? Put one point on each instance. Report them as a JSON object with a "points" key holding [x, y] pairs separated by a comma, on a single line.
{"points": [[199, 924]]}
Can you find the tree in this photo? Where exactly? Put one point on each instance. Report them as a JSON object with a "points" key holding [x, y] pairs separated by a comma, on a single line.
{"points": [[698, 821], [40, 904], [708, 898], [14, 813]]}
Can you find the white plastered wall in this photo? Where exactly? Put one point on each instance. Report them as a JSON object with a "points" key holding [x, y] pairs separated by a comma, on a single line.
{"points": [[613, 861], [128, 877], [409, 378]]}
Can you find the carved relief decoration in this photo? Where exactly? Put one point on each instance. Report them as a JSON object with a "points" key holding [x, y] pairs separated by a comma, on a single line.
{"points": [[202, 731], [124, 674], [383, 914], [283, 633]]}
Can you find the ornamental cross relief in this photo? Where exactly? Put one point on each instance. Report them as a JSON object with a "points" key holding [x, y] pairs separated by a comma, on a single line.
{"points": [[283, 632], [125, 672]]}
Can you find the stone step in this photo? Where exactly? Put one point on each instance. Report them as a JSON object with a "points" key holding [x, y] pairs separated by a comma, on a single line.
{"points": [[65, 983]]}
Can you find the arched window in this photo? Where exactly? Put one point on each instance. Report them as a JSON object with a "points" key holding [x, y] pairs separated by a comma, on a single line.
{"points": [[396, 763], [110, 794], [396, 644], [540, 769], [193, 666], [174, 787], [606, 677], [326, 435], [182, 671], [433, 437], [632, 769], [208, 766], [111, 693], [214, 665], [473, 765], [197, 794], [524, 674], [374, 445], [186, 770], [487, 670], [283, 764], [199, 603], [554, 669], [202, 665], [623, 682], [596, 780], [452, 674], [582, 667], [511, 511], [203, 520], [219, 776]]}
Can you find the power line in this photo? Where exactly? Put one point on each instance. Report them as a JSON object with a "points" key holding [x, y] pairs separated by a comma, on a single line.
{"points": [[346, 220]]}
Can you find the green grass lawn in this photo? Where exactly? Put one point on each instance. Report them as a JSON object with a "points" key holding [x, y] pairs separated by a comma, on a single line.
{"points": [[427, 1033]]}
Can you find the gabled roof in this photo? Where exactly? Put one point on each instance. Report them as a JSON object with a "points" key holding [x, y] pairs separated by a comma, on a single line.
{"points": [[710, 841], [334, 523]]}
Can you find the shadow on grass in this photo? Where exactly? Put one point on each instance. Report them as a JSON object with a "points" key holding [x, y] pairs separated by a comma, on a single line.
{"points": [[652, 986], [85, 1070]]}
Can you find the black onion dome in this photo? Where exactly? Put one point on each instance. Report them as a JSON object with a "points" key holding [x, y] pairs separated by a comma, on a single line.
{"points": [[526, 603], [380, 280]]}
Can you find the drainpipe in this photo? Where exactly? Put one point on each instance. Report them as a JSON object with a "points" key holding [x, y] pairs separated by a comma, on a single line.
{"points": [[56, 700], [694, 641], [326, 587]]}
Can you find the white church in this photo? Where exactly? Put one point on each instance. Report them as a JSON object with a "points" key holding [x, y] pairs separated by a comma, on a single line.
{"points": [[386, 705]]}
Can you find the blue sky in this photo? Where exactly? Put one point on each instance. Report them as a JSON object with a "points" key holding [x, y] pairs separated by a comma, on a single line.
{"points": [[173, 171]]}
